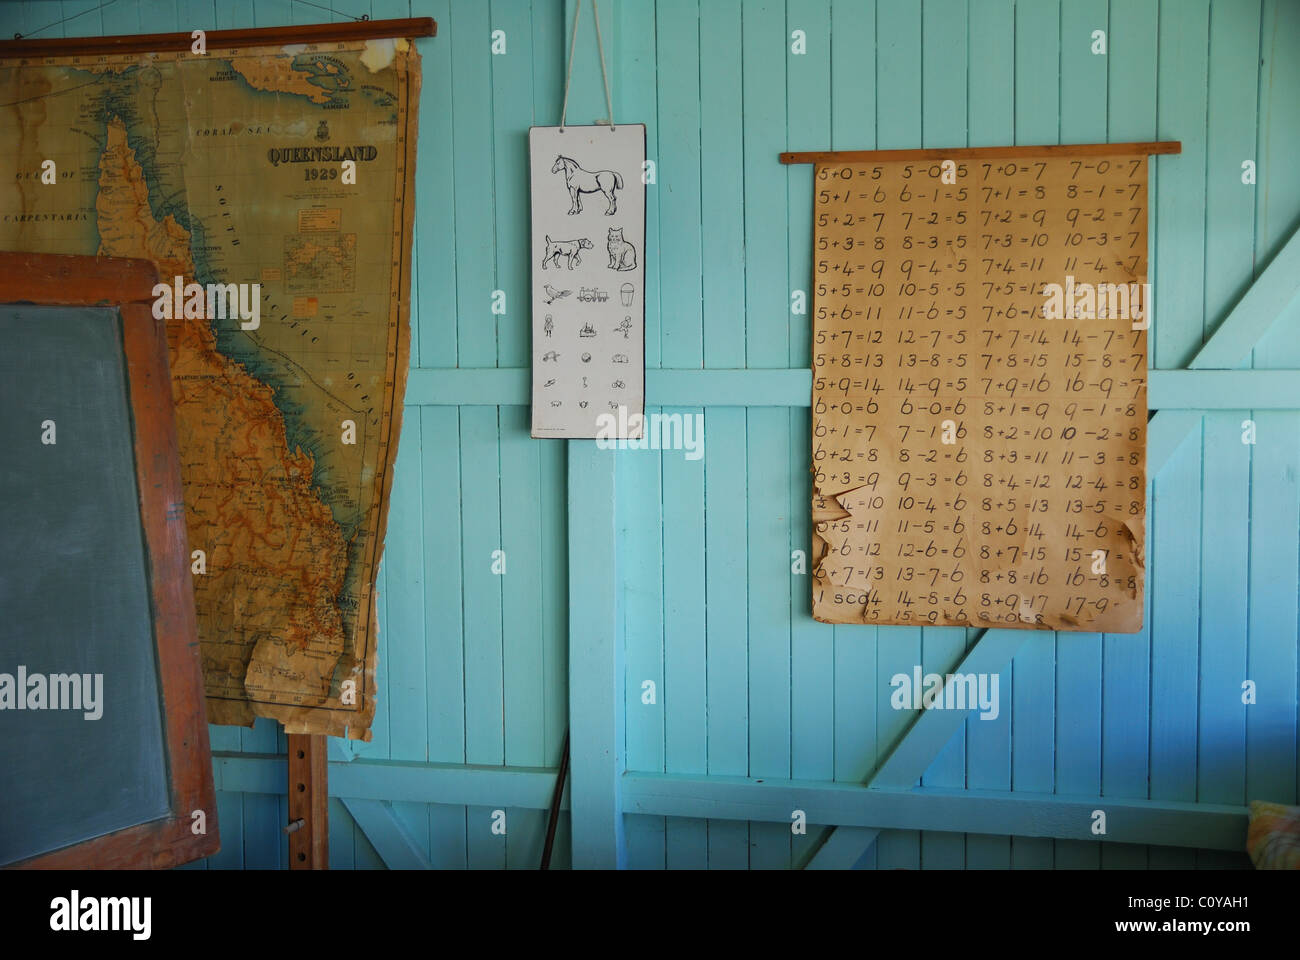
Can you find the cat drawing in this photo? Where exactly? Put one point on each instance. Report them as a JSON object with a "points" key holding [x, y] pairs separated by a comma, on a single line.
{"points": [[622, 255]]}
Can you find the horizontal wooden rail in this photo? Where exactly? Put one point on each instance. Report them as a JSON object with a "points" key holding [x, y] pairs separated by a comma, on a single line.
{"points": [[755, 387], [1164, 823], [527, 788], [980, 153], [1013, 813], [316, 33]]}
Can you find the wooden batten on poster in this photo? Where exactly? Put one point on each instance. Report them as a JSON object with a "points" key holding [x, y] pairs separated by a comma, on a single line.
{"points": [[315, 33], [979, 153]]}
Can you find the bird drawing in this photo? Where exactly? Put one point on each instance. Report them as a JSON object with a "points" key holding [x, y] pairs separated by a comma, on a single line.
{"points": [[552, 294]]}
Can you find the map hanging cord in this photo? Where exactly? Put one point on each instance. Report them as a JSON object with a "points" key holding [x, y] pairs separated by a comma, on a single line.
{"points": [[25, 36], [364, 16]]}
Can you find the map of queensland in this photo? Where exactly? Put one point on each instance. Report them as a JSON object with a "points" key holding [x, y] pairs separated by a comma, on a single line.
{"points": [[289, 174]]}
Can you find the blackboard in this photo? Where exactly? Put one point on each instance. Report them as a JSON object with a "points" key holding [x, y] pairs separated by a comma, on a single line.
{"points": [[101, 718], [73, 589]]}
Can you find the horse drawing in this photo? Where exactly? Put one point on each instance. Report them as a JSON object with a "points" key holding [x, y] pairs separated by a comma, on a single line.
{"points": [[580, 181]]}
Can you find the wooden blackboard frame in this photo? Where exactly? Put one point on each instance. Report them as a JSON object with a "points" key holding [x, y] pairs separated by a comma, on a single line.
{"points": [[50, 280]]}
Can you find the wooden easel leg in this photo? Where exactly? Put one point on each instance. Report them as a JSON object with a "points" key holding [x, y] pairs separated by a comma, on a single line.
{"points": [[309, 841]]}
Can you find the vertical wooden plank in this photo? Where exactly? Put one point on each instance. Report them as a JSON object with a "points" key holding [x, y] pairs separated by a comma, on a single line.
{"points": [[1179, 209], [124, 18], [342, 838], [645, 841], [480, 495], [467, 34], [810, 97], [1234, 50], [1271, 721], [1230, 140], [944, 123], [722, 287], [549, 49], [512, 114], [441, 538], [1271, 768], [685, 667], [485, 847], [636, 88], [448, 844], [641, 529], [1126, 657], [222, 739], [262, 822], [767, 522], [764, 52], [1271, 663], [596, 641], [725, 555], [681, 327], [639, 90], [435, 230], [230, 818], [555, 608], [350, 10], [856, 685], [364, 855], [1078, 655], [522, 505], [1277, 192], [596, 718], [280, 13], [414, 820], [1033, 691], [403, 642], [550, 37], [548, 60], [723, 196], [991, 118], [764, 60], [681, 344], [721, 191], [524, 696], [898, 124]]}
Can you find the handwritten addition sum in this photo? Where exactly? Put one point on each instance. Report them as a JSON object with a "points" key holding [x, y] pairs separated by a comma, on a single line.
{"points": [[979, 392]]}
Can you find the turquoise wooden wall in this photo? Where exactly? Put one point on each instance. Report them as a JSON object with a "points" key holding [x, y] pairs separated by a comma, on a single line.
{"points": [[622, 568]]}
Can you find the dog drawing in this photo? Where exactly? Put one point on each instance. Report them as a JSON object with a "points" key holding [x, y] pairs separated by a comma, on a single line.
{"points": [[580, 181], [571, 250]]}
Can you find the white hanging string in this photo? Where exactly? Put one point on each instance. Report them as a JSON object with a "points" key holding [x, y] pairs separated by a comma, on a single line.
{"points": [[568, 76], [609, 104]]}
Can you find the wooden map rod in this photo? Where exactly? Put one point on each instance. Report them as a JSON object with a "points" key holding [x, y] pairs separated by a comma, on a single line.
{"points": [[977, 153], [317, 33]]}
